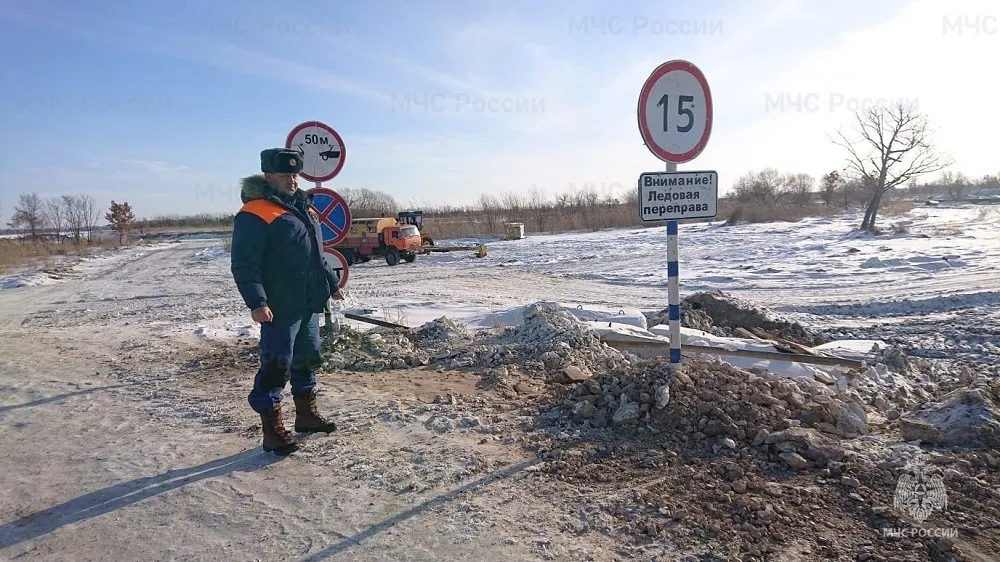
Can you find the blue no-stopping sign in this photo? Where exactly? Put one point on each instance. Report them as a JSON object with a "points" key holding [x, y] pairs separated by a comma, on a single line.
{"points": [[334, 215]]}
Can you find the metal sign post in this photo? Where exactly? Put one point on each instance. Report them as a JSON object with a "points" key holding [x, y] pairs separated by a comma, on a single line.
{"points": [[673, 286], [675, 121]]}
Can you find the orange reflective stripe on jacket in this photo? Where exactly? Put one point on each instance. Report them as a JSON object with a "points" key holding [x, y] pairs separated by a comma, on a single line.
{"points": [[266, 210]]}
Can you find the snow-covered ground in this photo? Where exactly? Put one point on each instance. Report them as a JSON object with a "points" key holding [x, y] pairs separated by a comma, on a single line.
{"points": [[934, 290], [937, 284], [794, 266]]}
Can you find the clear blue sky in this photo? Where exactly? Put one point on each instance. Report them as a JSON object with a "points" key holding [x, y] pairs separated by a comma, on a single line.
{"points": [[167, 104]]}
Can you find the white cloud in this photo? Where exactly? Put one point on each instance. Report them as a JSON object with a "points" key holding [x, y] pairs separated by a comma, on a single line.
{"points": [[155, 166], [588, 132]]}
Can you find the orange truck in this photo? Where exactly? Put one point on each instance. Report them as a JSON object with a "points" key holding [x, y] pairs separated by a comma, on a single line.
{"points": [[385, 237]]}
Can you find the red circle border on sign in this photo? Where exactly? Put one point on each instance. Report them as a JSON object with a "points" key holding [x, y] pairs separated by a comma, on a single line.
{"points": [[340, 141], [347, 212], [343, 262], [647, 88]]}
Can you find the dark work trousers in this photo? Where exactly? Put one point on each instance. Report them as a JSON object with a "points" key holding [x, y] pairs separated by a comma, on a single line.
{"points": [[289, 350]]}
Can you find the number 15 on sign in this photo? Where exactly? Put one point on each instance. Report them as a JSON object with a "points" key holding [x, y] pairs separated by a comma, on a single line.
{"points": [[681, 110], [675, 112]]}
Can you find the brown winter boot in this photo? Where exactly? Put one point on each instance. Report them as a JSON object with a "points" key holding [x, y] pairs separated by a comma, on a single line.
{"points": [[277, 439], [308, 418]]}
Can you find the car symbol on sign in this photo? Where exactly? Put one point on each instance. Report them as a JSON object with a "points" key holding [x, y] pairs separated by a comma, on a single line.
{"points": [[329, 153]]}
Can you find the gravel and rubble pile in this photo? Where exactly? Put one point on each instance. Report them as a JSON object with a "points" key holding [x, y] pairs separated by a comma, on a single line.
{"points": [[716, 404], [755, 459], [714, 458], [749, 467], [550, 343], [441, 330], [371, 351]]}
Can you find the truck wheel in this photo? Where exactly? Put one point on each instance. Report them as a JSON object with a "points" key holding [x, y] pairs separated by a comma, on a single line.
{"points": [[392, 256], [410, 257], [348, 256]]}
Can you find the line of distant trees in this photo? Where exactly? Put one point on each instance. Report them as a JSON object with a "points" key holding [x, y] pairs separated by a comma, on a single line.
{"points": [[758, 195], [955, 186], [68, 218], [75, 215], [771, 187], [796, 194]]}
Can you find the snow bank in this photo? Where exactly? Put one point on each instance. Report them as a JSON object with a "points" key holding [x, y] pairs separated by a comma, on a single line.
{"points": [[27, 279], [227, 331], [212, 253], [589, 313]]}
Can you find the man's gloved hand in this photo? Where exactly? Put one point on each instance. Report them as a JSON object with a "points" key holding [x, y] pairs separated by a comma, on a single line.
{"points": [[262, 315], [338, 295]]}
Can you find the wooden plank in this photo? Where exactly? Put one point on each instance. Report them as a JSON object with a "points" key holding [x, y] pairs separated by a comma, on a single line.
{"points": [[745, 334], [788, 345], [660, 348]]}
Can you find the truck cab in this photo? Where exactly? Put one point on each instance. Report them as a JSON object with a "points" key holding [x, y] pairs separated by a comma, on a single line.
{"points": [[405, 239]]}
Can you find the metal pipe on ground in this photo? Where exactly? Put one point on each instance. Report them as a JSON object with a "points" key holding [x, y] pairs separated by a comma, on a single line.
{"points": [[375, 321]]}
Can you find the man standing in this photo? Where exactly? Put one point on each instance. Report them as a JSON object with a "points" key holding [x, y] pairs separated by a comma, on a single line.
{"points": [[283, 276]]}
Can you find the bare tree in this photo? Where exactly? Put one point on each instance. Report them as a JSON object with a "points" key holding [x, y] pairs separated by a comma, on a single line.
{"points": [[537, 202], [767, 186], [490, 208], [73, 216], [852, 192], [632, 198], [367, 203], [89, 214], [386, 204], [511, 202], [748, 189], [989, 182], [54, 214], [960, 187], [29, 213], [563, 200], [895, 146], [773, 183], [589, 198], [800, 186]]}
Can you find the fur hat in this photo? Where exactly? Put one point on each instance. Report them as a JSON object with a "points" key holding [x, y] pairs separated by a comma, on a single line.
{"points": [[280, 161]]}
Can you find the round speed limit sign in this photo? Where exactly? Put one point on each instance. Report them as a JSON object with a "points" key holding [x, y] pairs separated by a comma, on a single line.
{"points": [[675, 112]]}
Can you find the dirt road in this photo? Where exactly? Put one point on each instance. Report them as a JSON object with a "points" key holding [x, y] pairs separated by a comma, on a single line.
{"points": [[122, 440]]}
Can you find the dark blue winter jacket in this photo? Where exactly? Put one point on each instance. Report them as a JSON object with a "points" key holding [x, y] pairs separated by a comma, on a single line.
{"points": [[277, 257]]}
